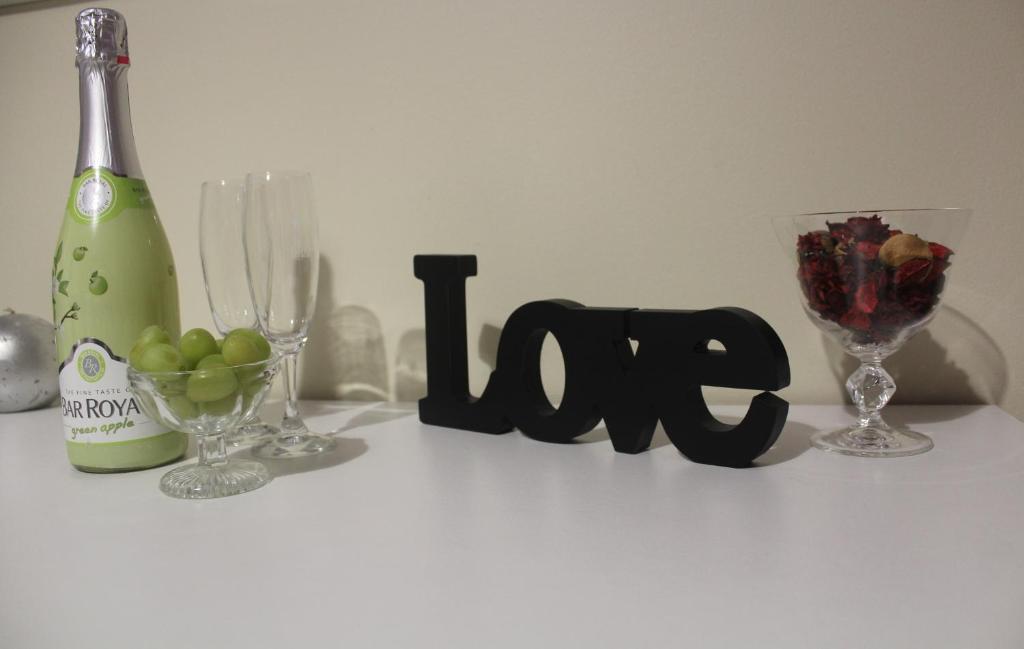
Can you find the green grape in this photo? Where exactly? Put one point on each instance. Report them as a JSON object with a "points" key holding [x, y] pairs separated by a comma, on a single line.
{"points": [[211, 384], [262, 345], [182, 407], [247, 375], [150, 335], [135, 355], [153, 334], [220, 407], [257, 339], [195, 345], [172, 385], [251, 379], [213, 360], [240, 350], [160, 357], [246, 401]]}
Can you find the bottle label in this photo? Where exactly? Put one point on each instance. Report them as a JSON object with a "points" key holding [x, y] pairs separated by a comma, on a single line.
{"points": [[96, 403], [97, 195]]}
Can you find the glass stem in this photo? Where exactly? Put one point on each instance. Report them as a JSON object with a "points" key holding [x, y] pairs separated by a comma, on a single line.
{"points": [[870, 387], [212, 449], [870, 408], [871, 418], [292, 423]]}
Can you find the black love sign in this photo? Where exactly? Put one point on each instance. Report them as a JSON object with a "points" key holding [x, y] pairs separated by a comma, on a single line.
{"points": [[604, 378]]}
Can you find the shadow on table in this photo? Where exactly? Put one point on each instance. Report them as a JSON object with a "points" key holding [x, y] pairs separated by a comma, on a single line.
{"points": [[600, 434], [348, 449], [377, 414], [326, 408], [909, 416], [794, 439], [905, 414]]}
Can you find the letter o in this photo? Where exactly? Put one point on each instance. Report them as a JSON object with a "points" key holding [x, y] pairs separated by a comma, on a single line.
{"points": [[519, 384]]}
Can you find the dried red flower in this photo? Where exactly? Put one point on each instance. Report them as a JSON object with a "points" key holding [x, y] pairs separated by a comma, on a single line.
{"points": [[860, 228], [868, 250], [845, 282], [866, 297], [914, 271], [939, 251]]}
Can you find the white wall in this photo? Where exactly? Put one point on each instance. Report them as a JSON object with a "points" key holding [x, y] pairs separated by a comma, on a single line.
{"points": [[618, 153]]}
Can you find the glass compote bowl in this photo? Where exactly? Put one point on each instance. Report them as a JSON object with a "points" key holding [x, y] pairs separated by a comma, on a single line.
{"points": [[208, 403], [872, 279]]}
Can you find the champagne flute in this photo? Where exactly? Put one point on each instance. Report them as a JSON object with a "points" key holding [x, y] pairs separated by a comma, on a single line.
{"points": [[282, 261], [221, 210]]}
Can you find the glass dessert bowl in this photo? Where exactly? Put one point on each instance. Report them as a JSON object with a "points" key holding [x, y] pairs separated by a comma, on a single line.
{"points": [[871, 280], [210, 403]]}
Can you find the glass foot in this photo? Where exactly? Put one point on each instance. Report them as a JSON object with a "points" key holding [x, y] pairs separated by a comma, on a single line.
{"points": [[251, 434], [289, 446], [198, 481], [872, 441]]}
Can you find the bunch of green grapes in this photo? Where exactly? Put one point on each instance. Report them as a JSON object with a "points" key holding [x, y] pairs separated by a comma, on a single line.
{"points": [[219, 371]]}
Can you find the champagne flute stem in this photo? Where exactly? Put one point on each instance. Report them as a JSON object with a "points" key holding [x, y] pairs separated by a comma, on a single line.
{"points": [[292, 423]]}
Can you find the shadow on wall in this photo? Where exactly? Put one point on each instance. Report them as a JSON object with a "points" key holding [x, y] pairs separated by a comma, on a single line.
{"points": [[969, 369], [345, 357], [411, 366], [487, 345], [411, 360]]}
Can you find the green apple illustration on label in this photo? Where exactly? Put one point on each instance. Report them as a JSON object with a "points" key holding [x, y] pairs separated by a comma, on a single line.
{"points": [[97, 283]]}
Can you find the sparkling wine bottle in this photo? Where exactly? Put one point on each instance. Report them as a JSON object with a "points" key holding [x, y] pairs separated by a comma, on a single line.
{"points": [[113, 274]]}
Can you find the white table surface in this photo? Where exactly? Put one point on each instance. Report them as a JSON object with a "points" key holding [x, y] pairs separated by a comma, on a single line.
{"points": [[418, 536]]}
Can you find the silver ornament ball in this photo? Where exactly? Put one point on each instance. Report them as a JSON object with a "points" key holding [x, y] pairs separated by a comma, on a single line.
{"points": [[28, 367]]}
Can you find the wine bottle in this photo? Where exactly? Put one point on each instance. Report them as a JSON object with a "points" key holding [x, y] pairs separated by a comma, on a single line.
{"points": [[113, 274]]}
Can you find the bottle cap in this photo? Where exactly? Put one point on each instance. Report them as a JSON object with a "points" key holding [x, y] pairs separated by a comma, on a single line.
{"points": [[101, 34]]}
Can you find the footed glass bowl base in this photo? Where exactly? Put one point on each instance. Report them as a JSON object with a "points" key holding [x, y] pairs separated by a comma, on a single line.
{"points": [[298, 445], [200, 481], [872, 441]]}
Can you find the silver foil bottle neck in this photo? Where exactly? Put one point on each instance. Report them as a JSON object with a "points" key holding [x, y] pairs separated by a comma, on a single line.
{"points": [[101, 54], [101, 34]]}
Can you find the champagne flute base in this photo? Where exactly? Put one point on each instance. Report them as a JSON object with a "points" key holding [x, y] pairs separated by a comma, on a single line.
{"points": [[253, 433], [296, 445], [872, 441], [202, 481]]}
